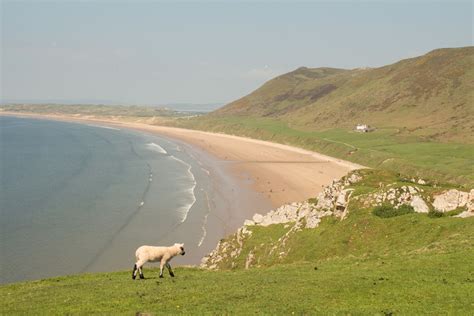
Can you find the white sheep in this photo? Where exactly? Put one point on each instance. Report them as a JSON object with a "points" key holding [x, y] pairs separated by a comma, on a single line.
{"points": [[146, 254]]}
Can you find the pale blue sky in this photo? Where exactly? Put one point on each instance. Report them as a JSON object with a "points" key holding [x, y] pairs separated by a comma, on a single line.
{"points": [[156, 52]]}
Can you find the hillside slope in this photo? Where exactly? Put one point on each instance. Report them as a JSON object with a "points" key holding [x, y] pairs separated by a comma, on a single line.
{"points": [[431, 95]]}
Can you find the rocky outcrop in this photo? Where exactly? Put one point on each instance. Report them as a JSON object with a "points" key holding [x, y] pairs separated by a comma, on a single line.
{"points": [[333, 201], [419, 205], [453, 199], [397, 196]]}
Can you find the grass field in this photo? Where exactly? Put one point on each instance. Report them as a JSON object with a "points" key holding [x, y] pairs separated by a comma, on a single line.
{"points": [[420, 282], [385, 148], [411, 284]]}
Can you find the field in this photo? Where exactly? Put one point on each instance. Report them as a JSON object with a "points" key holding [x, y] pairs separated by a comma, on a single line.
{"points": [[385, 148]]}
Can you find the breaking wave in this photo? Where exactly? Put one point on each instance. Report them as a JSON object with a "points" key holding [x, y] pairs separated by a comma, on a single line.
{"points": [[190, 197], [156, 147]]}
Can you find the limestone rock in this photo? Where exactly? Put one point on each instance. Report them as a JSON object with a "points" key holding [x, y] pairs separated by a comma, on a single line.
{"points": [[450, 200], [257, 218], [312, 222], [419, 204], [249, 222]]}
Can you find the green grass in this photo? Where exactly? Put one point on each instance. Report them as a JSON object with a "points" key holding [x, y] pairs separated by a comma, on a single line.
{"points": [[421, 284], [411, 264], [384, 148], [388, 210]]}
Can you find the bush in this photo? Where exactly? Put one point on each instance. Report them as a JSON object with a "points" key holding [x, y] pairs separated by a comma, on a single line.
{"points": [[313, 200], [388, 210], [437, 214]]}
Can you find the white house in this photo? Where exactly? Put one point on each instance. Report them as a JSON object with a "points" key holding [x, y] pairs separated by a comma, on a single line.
{"points": [[363, 128]]}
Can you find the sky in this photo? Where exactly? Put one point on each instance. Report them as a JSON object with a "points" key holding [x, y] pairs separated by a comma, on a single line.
{"points": [[159, 52]]}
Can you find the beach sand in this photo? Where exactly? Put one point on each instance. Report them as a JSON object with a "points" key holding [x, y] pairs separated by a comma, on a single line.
{"points": [[283, 174]]}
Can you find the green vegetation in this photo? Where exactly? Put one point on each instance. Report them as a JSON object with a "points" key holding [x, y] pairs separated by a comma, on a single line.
{"points": [[410, 264], [436, 214], [413, 284], [428, 96], [372, 262], [384, 148], [362, 234], [421, 108], [387, 210]]}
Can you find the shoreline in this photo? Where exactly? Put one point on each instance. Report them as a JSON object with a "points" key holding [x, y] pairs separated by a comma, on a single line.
{"points": [[281, 173], [222, 203]]}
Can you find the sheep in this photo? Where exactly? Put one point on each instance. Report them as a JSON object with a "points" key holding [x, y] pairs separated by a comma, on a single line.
{"points": [[146, 254]]}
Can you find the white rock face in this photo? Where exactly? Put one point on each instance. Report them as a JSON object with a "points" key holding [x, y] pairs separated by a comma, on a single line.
{"points": [[465, 214], [257, 218], [313, 221], [249, 222], [419, 205], [451, 200]]}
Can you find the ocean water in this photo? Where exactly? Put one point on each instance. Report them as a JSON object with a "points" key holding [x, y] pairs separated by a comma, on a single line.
{"points": [[81, 198]]}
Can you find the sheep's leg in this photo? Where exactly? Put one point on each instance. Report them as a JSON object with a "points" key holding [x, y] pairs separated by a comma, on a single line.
{"points": [[134, 273], [162, 264], [169, 269], [139, 266]]}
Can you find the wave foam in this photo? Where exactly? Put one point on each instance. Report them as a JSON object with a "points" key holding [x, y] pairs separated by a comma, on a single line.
{"points": [[106, 127], [184, 210], [203, 227], [156, 147]]}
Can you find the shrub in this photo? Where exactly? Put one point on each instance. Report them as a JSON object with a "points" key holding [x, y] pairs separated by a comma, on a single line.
{"points": [[388, 210], [437, 214], [313, 200]]}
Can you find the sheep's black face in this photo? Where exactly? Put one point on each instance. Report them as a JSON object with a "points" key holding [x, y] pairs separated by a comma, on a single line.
{"points": [[182, 251]]}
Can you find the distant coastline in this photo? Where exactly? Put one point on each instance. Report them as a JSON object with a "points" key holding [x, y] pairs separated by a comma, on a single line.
{"points": [[283, 174]]}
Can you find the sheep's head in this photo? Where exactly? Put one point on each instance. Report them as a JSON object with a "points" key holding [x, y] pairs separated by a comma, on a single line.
{"points": [[181, 248]]}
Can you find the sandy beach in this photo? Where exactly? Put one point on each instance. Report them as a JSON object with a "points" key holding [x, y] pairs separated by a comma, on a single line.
{"points": [[282, 173]]}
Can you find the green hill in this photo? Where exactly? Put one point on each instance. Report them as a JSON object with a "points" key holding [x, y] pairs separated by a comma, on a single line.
{"points": [[422, 110], [431, 96]]}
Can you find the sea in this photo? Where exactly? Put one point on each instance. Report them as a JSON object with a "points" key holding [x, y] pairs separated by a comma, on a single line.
{"points": [[78, 197]]}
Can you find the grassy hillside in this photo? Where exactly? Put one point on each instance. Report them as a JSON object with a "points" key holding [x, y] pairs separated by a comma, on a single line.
{"points": [[410, 264], [422, 109], [430, 96]]}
